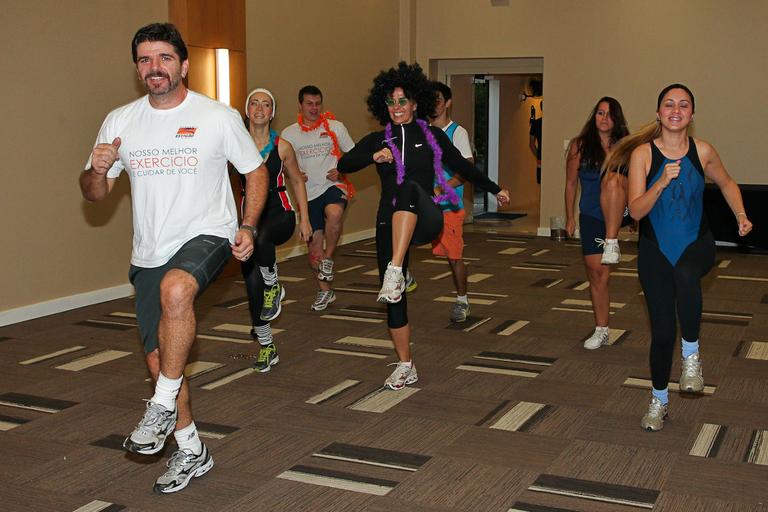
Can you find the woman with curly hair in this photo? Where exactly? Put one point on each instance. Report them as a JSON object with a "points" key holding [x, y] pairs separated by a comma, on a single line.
{"points": [[586, 154], [409, 156], [676, 249]]}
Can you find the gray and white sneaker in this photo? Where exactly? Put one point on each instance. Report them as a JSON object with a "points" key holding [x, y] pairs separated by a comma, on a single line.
{"points": [[611, 253], [322, 300], [405, 373], [691, 378], [653, 420], [459, 312], [154, 428], [393, 287], [597, 340], [325, 270], [183, 467]]}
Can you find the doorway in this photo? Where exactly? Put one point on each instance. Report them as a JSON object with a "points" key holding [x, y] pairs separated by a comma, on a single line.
{"points": [[493, 99]]}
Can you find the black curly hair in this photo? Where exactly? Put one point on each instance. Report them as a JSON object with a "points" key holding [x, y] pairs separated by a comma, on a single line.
{"points": [[415, 85]]}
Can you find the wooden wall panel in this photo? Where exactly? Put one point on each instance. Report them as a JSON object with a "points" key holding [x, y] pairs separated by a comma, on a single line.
{"points": [[202, 70], [210, 23]]}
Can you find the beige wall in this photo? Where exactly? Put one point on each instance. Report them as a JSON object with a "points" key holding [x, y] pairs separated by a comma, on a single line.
{"points": [[625, 49], [289, 45], [66, 65]]}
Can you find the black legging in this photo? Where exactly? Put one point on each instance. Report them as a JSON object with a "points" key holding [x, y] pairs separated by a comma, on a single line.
{"points": [[667, 289], [276, 227], [429, 223]]}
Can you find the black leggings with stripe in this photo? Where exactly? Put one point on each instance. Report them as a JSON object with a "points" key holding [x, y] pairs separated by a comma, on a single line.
{"points": [[672, 293], [276, 227], [429, 223]]}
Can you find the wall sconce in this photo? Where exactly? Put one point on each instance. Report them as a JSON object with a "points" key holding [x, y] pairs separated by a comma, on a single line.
{"points": [[222, 75]]}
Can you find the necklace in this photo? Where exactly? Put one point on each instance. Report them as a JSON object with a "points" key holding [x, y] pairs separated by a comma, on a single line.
{"points": [[449, 194], [322, 120]]}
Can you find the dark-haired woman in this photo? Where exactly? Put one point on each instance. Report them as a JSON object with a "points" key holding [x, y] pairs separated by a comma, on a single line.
{"points": [[586, 154], [408, 155], [676, 249], [276, 225]]}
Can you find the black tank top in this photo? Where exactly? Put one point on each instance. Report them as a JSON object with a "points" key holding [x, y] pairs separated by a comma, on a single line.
{"points": [[277, 195]]}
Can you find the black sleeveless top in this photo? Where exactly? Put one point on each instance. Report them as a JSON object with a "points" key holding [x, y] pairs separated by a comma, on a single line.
{"points": [[277, 195]]}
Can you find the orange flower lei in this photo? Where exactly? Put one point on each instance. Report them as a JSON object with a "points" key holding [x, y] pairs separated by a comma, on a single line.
{"points": [[335, 150]]}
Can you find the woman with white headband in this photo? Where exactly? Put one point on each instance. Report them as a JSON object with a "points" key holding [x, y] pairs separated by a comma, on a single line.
{"points": [[276, 226]]}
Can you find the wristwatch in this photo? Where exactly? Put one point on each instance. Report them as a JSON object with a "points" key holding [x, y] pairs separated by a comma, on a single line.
{"points": [[254, 231]]}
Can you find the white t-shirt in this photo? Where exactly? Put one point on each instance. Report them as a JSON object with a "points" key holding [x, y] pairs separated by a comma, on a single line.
{"points": [[176, 160], [461, 140], [313, 152]]}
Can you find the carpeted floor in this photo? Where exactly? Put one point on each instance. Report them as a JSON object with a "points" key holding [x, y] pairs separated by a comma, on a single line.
{"points": [[510, 413]]}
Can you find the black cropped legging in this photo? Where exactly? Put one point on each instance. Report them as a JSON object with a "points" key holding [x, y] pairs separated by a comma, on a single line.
{"points": [[669, 289], [429, 223], [276, 227]]}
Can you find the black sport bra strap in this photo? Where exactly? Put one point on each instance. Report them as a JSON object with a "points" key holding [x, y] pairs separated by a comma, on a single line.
{"points": [[656, 160], [693, 155]]}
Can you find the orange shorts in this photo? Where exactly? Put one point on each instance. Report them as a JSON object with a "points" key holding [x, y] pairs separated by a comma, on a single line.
{"points": [[450, 243]]}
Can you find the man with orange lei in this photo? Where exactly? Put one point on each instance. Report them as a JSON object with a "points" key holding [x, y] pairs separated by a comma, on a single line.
{"points": [[318, 140]]}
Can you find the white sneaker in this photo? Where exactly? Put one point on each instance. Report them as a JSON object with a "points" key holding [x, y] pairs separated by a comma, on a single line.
{"points": [[322, 300], [691, 378], [611, 253], [598, 339], [405, 373], [325, 270], [653, 421], [394, 285]]}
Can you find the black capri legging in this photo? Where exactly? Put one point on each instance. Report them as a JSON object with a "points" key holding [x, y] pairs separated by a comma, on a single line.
{"points": [[429, 223], [276, 227], [669, 289]]}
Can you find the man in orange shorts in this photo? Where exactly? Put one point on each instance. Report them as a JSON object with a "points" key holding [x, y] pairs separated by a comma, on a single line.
{"points": [[450, 243]]}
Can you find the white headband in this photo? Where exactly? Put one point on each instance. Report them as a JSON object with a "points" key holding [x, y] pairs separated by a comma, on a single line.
{"points": [[265, 91]]}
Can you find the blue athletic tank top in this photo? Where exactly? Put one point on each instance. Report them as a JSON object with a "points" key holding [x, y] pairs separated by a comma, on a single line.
{"points": [[589, 178], [447, 205], [677, 219]]}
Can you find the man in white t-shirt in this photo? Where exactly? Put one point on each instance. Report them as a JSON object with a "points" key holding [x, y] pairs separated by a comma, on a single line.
{"points": [[174, 145], [450, 243], [319, 141]]}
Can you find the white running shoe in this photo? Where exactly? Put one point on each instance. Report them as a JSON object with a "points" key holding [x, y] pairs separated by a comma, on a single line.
{"points": [[597, 340], [322, 300], [611, 253], [653, 420], [325, 270], [691, 379], [405, 373], [394, 285]]}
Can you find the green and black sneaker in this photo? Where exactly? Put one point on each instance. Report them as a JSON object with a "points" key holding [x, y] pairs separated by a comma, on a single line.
{"points": [[267, 358], [273, 296]]}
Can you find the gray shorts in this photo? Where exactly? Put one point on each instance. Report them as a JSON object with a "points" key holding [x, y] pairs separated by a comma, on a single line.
{"points": [[204, 257]]}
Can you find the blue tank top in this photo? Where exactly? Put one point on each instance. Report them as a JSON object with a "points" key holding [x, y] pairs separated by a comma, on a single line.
{"points": [[677, 218], [589, 178], [447, 205]]}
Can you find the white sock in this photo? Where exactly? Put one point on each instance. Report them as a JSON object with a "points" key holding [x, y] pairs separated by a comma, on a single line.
{"points": [[399, 269], [462, 298], [166, 391], [409, 364], [187, 439], [269, 276], [611, 240], [601, 330]]}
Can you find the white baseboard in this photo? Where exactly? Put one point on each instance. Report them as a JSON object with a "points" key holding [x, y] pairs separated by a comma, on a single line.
{"points": [[298, 250], [51, 307]]}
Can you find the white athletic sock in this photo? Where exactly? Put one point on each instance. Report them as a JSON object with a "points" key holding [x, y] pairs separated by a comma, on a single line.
{"points": [[399, 269], [166, 391], [187, 439], [263, 334], [611, 240], [462, 298], [269, 276]]}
